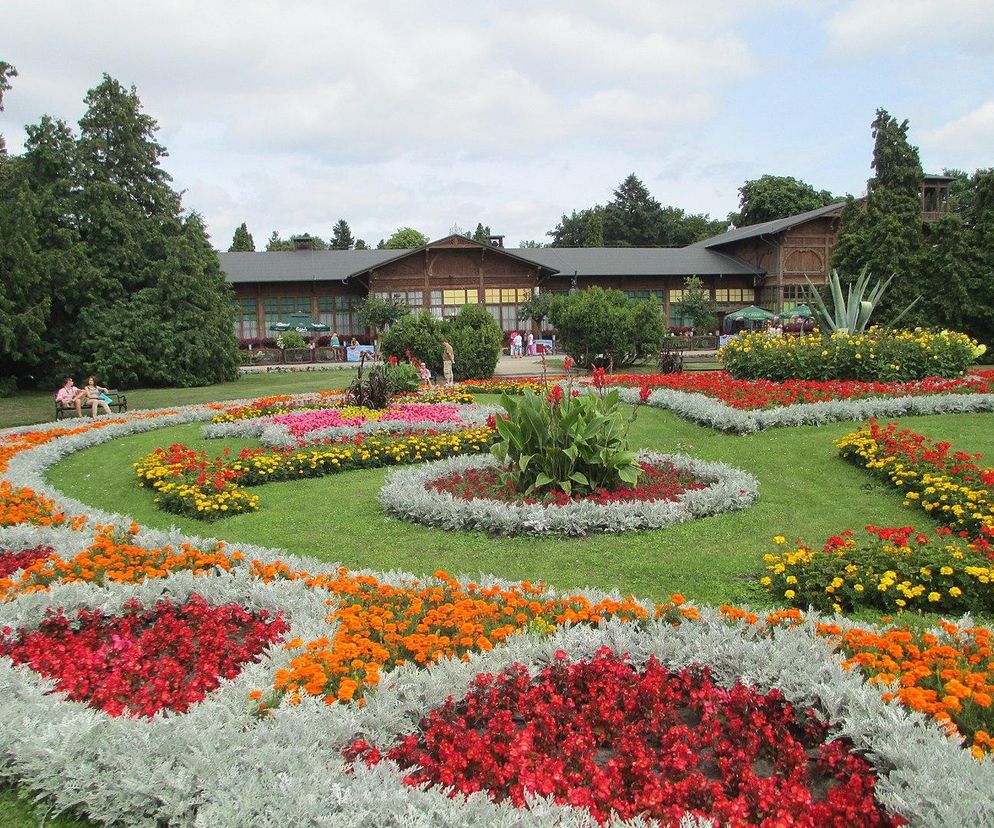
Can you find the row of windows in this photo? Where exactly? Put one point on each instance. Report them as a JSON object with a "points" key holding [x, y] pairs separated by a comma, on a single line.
{"points": [[337, 312]]}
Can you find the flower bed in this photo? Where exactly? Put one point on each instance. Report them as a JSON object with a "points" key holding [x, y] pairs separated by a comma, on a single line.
{"points": [[876, 354], [760, 394], [656, 482], [653, 743], [949, 486], [190, 483], [409, 495], [216, 764], [885, 569], [144, 660], [510, 386], [276, 405]]}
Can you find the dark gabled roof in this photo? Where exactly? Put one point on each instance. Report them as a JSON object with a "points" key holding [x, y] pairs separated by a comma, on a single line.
{"points": [[638, 261], [302, 265], [768, 228], [339, 265]]}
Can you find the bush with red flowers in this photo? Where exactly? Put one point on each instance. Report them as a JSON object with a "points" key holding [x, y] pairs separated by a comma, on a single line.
{"points": [[655, 744], [144, 660]]}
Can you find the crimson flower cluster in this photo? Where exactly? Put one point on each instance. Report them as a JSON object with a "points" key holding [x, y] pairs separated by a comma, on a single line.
{"points": [[656, 482], [10, 561], [654, 744], [760, 394], [144, 660]]}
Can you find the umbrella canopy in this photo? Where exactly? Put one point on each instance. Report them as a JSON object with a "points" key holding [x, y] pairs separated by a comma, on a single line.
{"points": [[800, 312], [751, 313], [301, 323]]}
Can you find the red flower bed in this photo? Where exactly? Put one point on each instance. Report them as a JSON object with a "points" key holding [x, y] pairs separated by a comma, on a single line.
{"points": [[656, 482], [654, 744], [757, 394], [144, 660], [12, 561]]}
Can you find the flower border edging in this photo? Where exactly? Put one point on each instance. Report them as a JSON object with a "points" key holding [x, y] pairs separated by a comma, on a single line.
{"points": [[404, 496], [707, 411]]}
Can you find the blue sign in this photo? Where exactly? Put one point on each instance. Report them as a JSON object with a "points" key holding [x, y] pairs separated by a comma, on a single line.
{"points": [[352, 353]]}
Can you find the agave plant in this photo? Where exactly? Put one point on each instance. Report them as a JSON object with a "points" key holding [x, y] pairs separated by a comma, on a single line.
{"points": [[852, 311]]}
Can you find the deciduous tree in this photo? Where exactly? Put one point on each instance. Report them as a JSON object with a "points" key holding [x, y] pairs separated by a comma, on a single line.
{"points": [[405, 238], [771, 197]]}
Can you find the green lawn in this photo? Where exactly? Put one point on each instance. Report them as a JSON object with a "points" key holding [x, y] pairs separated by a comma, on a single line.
{"points": [[30, 407], [806, 492]]}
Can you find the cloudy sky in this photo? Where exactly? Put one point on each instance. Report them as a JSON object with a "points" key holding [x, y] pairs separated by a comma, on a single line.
{"points": [[290, 115]]}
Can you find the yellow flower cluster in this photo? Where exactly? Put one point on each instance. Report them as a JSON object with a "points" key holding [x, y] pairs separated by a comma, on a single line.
{"points": [[444, 394], [887, 569], [188, 483], [952, 490], [874, 355]]}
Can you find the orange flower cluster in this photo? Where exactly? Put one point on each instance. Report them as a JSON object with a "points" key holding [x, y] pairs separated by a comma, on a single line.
{"points": [[382, 626], [948, 676], [22, 441], [113, 556], [25, 506]]}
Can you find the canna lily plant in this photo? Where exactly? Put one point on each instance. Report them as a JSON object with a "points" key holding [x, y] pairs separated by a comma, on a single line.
{"points": [[852, 311]]}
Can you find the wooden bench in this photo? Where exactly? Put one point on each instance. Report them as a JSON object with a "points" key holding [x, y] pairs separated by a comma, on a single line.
{"points": [[119, 402]]}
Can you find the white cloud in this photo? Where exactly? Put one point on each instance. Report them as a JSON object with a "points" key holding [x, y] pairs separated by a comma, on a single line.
{"points": [[966, 142], [925, 27]]}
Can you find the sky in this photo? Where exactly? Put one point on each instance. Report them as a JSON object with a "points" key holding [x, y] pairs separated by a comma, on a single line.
{"points": [[292, 115]]}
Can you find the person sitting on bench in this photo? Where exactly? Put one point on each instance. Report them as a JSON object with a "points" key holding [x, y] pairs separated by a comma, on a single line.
{"points": [[93, 395], [68, 395]]}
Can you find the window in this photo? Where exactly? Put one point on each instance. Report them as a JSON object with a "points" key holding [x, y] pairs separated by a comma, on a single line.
{"points": [[507, 296], [459, 296], [796, 293], [676, 294], [677, 320], [414, 299], [247, 321], [338, 313], [734, 296], [657, 296]]}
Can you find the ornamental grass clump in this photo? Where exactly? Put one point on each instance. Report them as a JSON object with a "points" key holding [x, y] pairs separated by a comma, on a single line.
{"points": [[876, 355], [571, 441]]}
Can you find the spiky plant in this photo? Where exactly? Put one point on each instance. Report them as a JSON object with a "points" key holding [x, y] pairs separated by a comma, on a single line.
{"points": [[852, 311]]}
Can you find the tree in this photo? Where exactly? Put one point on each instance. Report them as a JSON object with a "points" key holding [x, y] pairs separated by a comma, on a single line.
{"points": [[476, 339], [481, 234], [277, 244], [156, 308], [6, 73], [583, 229], [772, 197], [604, 327], [379, 313], [696, 303], [634, 217], [884, 236], [25, 297], [530, 244], [242, 241], [341, 236], [360, 244], [405, 238]]}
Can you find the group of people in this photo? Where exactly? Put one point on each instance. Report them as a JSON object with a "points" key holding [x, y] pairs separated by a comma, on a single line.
{"points": [[520, 345], [448, 360], [90, 394]]}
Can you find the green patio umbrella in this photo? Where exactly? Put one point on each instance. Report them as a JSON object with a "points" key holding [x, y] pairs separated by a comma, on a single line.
{"points": [[751, 313], [301, 323], [800, 312]]}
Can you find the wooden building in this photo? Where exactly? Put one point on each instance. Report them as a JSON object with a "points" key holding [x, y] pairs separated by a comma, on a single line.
{"points": [[765, 264]]}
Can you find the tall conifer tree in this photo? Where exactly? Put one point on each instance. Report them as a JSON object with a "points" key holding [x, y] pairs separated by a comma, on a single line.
{"points": [[242, 241], [341, 236], [885, 235]]}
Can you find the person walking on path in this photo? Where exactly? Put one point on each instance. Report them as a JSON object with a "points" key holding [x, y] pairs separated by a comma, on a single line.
{"points": [[448, 360]]}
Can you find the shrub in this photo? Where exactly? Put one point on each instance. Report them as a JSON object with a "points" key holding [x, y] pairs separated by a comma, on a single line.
{"points": [[419, 335], [401, 377], [290, 339], [576, 444], [891, 570], [604, 327], [874, 356], [476, 339]]}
